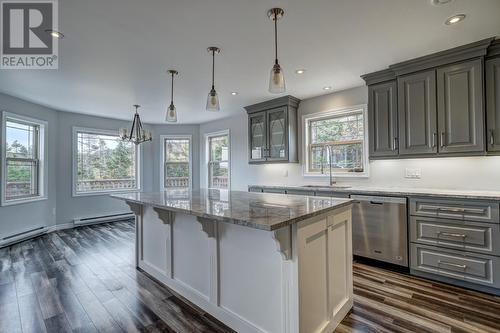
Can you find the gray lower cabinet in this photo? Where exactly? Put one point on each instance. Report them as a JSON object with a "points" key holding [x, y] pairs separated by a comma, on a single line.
{"points": [[493, 104], [417, 113], [460, 107], [456, 241], [453, 234], [471, 268], [383, 120]]}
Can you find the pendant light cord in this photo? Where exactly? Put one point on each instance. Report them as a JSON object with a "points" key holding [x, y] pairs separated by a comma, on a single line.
{"points": [[172, 90], [275, 38], [213, 69]]}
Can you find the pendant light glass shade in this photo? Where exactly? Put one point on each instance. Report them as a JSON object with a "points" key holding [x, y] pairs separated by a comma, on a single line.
{"points": [[213, 98], [213, 101], [276, 77], [171, 116], [277, 80]]}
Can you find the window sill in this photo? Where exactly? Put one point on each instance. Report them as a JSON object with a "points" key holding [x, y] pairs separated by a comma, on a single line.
{"points": [[100, 193], [14, 202]]}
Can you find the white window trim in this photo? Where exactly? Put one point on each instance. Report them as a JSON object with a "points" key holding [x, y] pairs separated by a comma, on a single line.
{"points": [[326, 114], [207, 156], [43, 155], [138, 172], [162, 158]]}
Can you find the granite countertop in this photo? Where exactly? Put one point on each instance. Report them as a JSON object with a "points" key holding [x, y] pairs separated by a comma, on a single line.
{"points": [[394, 191], [264, 211]]}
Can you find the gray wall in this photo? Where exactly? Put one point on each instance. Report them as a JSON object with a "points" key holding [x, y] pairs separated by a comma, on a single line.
{"points": [[61, 207], [22, 217]]}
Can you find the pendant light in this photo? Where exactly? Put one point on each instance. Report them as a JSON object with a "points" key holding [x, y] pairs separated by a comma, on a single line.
{"points": [[137, 134], [171, 116], [276, 79], [213, 98]]}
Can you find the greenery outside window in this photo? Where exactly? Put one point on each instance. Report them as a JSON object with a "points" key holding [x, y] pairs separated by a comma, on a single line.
{"points": [[103, 163], [339, 138], [218, 160], [176, 161], [23, 156]]}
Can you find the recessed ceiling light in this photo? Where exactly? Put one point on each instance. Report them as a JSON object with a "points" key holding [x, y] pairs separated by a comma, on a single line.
{"points": [[55, 34], [455, 19], [440, 2], [234, 93], [327, 88], [300, 71]]}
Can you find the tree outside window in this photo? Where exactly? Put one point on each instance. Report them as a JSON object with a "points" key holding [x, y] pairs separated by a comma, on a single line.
{"points": [[104, 163]]}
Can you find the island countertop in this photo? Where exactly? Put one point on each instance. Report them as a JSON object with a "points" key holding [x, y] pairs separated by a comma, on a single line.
{"points": [[264, 211]]}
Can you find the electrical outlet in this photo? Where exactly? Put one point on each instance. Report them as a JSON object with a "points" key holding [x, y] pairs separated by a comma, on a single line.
{"points": [[413, 173], [285, 173]]}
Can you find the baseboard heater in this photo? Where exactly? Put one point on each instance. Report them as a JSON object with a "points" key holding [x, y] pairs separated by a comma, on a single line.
{"points": [[21, 236], [103, 218]]}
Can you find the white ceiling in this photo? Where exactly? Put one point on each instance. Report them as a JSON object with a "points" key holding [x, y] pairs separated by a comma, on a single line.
{"points": [[116, 52]]}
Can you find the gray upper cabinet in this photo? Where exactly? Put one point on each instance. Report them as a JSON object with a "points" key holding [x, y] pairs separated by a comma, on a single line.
{"points": [[434, 105], [383, 120], [460, 107], [493, 104], [272, 131], [417, 113]]}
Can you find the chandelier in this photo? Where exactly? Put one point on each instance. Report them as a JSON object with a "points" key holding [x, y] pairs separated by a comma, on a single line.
{"points": [[136, 134]]}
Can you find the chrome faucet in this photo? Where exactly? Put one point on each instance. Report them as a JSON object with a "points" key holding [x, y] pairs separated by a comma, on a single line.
{"points": [[328, 149]]}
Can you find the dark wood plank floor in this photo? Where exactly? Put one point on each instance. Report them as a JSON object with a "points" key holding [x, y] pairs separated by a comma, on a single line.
{"points": [[83, 280]]}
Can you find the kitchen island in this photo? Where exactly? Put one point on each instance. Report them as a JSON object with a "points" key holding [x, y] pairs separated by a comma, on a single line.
{"points": [[258, 262]]}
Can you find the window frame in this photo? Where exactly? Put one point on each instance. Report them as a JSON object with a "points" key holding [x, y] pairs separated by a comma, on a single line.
{"points": [[338, 112], [42, 152], [74, 178], [163, 155], [208, 136]]}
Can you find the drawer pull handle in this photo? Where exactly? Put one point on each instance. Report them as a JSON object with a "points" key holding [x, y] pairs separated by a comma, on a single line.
{"points": [[452, 210], [449, 234], [463, 267]]}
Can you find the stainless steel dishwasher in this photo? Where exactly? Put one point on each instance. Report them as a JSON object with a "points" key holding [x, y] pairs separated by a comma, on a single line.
{"points": [[379, 228]]}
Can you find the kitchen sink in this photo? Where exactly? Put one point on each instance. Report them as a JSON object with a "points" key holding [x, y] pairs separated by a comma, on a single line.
{"points": [[333, 187]]}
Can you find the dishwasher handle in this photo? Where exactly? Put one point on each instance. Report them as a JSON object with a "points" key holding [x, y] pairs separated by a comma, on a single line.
{"points": [[376, 200]]}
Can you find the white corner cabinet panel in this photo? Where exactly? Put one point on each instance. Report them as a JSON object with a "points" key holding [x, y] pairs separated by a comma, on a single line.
{"points": [[297, 279]]}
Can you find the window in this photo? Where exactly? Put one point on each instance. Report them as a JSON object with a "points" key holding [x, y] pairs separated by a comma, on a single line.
{"points": [[176, 161], [103, 162], [337, 138], [24, 173], [218, 160]]}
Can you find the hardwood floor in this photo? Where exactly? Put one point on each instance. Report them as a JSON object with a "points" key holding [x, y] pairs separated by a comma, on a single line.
{"points": [[83, 280]]}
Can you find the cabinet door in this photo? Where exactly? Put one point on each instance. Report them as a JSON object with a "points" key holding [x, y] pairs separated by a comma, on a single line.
{"points": [[493, 104], [277, 131], [257, 137], [460, 107], [383, 119], [417, 113]]}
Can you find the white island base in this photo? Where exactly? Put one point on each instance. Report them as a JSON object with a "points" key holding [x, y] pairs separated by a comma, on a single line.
{"points": [[295, 279]]}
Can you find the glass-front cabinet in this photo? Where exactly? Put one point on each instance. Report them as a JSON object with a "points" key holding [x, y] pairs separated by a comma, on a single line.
{"points": [[258, 142], [272, 131]]}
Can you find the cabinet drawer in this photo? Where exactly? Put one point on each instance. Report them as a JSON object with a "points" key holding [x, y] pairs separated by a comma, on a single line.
{"points": [[455, 209], [465, 266], [274, 190], [461, 235], [300, 192]]}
